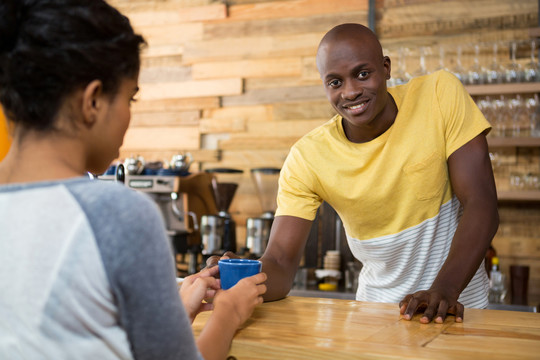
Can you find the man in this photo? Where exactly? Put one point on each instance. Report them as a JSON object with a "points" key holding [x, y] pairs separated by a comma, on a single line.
{"points": [[408, 172]]}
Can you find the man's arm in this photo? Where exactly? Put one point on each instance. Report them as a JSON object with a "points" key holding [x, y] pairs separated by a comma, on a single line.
{"points": [[472, 181], [283, 254]]}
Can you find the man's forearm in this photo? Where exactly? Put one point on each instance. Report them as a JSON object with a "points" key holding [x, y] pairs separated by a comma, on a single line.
{"points": [[279, 281], [473, 236]]}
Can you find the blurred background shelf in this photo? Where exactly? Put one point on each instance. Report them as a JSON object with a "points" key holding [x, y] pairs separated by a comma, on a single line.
{"points": [[498, 89], [513, 141], [519, 195]]}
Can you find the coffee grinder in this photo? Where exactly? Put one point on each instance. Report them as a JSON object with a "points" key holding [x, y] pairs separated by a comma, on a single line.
{"points": [[219, 230], [258, 229]]}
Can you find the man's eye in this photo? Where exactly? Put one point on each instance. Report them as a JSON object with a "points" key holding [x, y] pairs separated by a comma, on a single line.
{"points": [[362, 74], [334, 83]]}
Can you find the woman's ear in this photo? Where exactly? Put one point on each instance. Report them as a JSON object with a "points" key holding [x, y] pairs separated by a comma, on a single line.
{"points": [[92, 102]]}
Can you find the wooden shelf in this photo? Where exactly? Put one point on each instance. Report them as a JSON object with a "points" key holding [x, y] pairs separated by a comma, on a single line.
{"points": [[498, 89], [519, 195], [514, 141]]}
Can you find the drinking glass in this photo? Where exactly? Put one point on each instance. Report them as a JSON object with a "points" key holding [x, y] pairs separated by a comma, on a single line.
{"points": [[422, 69], [532, 113], [513, 71], [485, 105], [401, 76], [514, 112], [459, 70], [516, 181], [441, 65], [494, 73], [475, 72], [530, 71], [500, 121]]}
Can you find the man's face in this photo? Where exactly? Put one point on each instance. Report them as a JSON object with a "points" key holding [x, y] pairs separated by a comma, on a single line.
{"points": [[354, 75]]}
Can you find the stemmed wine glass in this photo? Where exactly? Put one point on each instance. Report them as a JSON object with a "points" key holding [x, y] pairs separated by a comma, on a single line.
{"points": [[498, 106], [532, 111], [441, 65], [494, 73], [485, 105], [475, 72], [458, 70], [422, 70], [514, 111], [531, 72], [401, 76], [513, 71]]}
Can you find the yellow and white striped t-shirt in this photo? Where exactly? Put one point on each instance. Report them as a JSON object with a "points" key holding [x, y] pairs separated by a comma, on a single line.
{"points": [[393, 193]]}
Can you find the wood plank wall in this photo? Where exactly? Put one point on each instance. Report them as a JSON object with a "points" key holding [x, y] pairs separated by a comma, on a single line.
{"points": [[235, 83]]}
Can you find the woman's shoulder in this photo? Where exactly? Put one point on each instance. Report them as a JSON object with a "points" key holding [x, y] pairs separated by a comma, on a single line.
{"points": [[107, 192], [112, 200]]}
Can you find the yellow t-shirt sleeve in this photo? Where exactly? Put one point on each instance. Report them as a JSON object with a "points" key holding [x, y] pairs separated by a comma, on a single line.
{"points": [[296, 194], [463, 121]]}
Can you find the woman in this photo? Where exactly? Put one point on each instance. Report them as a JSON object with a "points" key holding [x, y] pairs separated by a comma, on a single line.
{"points": [[85, 266]]}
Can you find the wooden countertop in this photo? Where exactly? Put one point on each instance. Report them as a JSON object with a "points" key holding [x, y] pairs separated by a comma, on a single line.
{"points": [[317, 328]]}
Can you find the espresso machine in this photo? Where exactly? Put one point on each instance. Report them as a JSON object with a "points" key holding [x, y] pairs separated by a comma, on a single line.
{"points": [[258, 228], [218, 231], [162, 185]]}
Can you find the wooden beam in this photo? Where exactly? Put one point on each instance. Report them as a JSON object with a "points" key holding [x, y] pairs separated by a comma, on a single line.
{"points": [[178, 118], [293, 8], [276, 95], [177, 104], [164, 74], [190, 89], [255, 68], [171, 34], [309, 69], [231, 125], [252, 47], [161, 51], [179, 15], [303, 110], [290, 128], [251, 113], [281, 26], [162, 138]]}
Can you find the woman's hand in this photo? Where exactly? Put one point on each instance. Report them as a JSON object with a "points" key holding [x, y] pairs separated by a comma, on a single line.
{"points": [[240, 300], [197, 290]]}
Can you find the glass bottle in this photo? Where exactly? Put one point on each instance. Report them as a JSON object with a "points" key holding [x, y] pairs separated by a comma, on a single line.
{"points": [[497, 287]]}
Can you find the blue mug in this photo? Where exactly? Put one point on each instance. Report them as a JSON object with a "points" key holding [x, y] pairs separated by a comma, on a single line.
{"points": [[233, 270]]}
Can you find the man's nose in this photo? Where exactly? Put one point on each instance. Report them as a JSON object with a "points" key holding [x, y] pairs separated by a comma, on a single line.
{"points": [[351, 91]]}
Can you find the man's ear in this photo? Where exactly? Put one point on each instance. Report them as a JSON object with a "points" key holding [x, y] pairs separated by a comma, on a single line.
{"points": [[388, 66], [92, 101]]}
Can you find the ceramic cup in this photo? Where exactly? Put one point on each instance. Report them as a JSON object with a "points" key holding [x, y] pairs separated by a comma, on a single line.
{"points": [[233, 270]]}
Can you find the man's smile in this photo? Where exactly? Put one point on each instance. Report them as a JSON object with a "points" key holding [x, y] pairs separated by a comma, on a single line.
{"points": [[356, 108]]}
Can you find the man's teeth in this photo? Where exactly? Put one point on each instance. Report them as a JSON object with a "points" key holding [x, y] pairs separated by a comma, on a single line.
{"points": [[356, 106]]}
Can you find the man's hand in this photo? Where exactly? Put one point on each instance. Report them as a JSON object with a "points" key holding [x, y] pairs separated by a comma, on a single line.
{"points": [[435, 304], [213, 260]]}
